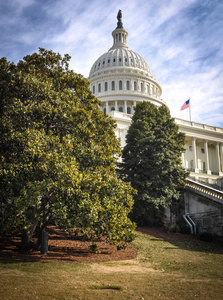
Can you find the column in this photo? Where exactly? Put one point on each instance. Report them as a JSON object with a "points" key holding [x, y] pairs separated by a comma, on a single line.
{"points": [[183, 159], [221, 156], [125, 106], [218, 159], [106, 107], [207, 157], [116, 105], [195, 154]]}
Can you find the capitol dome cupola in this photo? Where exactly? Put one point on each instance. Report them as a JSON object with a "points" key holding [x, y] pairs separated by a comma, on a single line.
{"points": [[119, 34], [120, 77]]}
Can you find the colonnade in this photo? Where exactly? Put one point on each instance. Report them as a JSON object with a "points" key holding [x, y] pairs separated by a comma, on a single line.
{"points": [[126, 85], [217, 166]]}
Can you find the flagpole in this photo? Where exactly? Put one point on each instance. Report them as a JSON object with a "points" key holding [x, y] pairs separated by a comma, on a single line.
{"points": [[190, 108]]}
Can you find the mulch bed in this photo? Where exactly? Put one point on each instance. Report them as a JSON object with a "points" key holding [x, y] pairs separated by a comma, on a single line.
{"points": [[65, 249]]}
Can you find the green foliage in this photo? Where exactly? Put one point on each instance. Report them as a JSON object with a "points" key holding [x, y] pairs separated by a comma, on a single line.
{"points": [[94, 248], [58, 152], [152, 162]]}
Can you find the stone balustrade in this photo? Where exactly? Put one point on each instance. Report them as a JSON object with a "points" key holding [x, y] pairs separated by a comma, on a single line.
{"points": [[206, 190]]}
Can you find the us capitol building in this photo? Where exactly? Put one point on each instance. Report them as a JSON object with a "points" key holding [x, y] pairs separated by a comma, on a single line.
{"points": [[121, 78]]}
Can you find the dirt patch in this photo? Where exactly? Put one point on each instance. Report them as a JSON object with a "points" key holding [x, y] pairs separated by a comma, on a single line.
{"points": [[129, 266]]}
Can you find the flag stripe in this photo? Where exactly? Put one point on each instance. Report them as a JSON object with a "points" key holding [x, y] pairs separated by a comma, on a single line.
{"points": [[185, 105]]}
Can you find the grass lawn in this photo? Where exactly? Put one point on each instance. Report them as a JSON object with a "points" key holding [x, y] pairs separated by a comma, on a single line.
{"points": [[163, 269]]}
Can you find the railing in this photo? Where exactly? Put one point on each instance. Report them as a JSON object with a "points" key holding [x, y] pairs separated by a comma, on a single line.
{"points": [[205, 189], [191, 223], [198, 125], [212, 185]]}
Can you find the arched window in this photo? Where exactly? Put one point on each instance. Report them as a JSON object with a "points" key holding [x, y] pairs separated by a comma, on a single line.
{"points": [[99, 87], [93, 89], [135, 86], [121, 109], [127, 85], [112, 108], [113, 85], [104, 110], [106, 86], [120, 85], [128, 110]]}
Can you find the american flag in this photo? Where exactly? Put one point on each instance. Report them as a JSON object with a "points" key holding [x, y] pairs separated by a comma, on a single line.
{"points": [[185, 105]]}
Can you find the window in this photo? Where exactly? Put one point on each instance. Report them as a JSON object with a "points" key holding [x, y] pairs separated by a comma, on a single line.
{"points": [[99, 87], [112, 108], [135, 85], [120, 59], [203, 166], [120, 85], [128, 110], [93, 89], [108, 61], [126, 59], [103, 62], [121, 109], [141, 87], [127, 85], [190, 148], [113, 59], [104, 110], [106, 86], [191, 163], [113, 85], [202, 150]]}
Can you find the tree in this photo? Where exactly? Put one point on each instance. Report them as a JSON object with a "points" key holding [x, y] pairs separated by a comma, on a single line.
{"points": [[58, 154], [152, 162]]}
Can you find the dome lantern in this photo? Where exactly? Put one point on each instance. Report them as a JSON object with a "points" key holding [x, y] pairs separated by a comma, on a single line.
{"points": [[119, 34]]}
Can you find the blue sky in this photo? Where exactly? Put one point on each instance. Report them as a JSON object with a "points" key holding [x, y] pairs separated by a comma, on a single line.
{"points": [[181, 40]]}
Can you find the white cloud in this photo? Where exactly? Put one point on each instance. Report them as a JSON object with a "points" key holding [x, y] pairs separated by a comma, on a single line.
{"points": [[180, 40]]}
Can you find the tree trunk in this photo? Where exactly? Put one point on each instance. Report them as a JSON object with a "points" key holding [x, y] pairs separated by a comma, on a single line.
{"points": [[27, 242]]}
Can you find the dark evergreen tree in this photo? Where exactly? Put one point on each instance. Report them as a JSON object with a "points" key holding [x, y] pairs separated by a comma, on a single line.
{"points": [[152, 162]]}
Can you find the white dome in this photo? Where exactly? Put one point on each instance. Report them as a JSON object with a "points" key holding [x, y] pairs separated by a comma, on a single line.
{"points": [[120, 57], [120, 77]]}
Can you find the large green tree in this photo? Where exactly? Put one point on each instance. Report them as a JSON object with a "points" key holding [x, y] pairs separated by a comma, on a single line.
{"points": [[57, 153], [152, 162]]}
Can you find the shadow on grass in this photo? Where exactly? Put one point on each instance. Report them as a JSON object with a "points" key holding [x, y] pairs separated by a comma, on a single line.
{"points": [[182, 241]]}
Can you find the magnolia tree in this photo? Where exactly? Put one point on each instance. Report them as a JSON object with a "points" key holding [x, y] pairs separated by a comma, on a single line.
{"points": [[152, 162], [57, 154]]}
